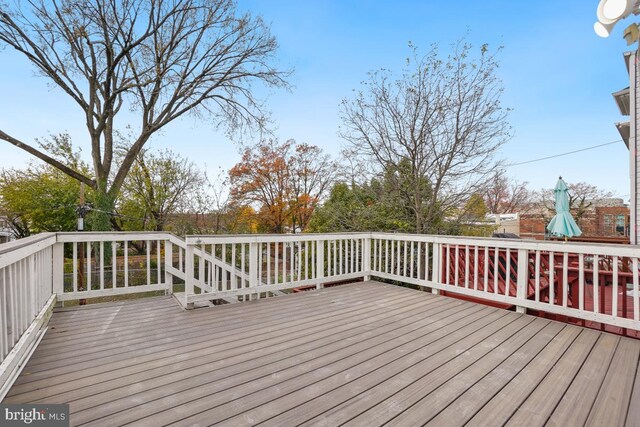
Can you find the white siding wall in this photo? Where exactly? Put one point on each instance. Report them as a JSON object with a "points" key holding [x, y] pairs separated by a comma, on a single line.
{"points": [[634, 165]]}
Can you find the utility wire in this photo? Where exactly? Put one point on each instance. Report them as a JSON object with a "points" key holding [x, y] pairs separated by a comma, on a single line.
{"points": [[564, 154], [118, 215]]}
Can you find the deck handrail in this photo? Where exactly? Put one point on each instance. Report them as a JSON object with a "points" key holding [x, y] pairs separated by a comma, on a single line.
{"points": [[166, 268]]}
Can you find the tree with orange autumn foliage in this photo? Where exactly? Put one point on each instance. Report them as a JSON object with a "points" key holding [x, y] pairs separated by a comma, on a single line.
{"points": [[261, 178], [284, 182], [242, 219]]}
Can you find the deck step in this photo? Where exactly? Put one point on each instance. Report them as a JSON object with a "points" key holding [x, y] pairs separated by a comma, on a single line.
{"points": [[179, 297]]}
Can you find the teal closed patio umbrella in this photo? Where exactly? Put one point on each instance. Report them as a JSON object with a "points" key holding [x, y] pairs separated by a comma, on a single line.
{"points": [[563, 224]]}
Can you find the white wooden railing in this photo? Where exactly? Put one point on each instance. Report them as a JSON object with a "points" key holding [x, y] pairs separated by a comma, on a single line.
{"points": [[26, 299], [256, 266], [102, 264], [596, 283], [592, 282]]}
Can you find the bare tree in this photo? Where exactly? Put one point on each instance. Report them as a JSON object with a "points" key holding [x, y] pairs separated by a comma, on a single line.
{"points": [[440, 123], [503, 195], [353, 169], [160, 185], [311, 172], [582, 198], [210, 205], [162, 59]]}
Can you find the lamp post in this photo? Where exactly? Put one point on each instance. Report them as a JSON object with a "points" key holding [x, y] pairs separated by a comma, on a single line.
{"points": [[609, 13]]}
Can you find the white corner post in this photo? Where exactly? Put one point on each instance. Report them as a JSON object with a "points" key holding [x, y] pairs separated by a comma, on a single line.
{"points": [[319, 262], [168, 263], [523, 279], [57, 265], [633, 149], [189, 273], [254, 280], [366, 257], [436, 267]]}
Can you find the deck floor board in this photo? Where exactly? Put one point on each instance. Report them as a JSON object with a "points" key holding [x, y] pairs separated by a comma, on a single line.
{"points": [[166, 335], [254, 366], [584, 389], [470, 401], [364, 353], [206, 341]]}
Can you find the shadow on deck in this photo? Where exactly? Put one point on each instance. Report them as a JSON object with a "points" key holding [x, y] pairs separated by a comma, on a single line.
{"points": [[363, 354]]}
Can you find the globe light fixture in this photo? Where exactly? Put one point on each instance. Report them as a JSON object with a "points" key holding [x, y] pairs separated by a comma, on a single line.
{"points": [[609, 12], [603, 30], [614, 9], [601, 15]]}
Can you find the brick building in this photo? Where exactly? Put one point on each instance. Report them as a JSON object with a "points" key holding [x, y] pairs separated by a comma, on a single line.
{"points": [[607, 218]]}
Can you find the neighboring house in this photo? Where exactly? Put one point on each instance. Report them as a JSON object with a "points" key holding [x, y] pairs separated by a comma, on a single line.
{"points": [[5, 232], [628, 103], [612, 221], [505, 223], [606, 218]]}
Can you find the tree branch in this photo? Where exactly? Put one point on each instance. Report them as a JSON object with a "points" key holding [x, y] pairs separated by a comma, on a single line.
{"points": [[50, 160]]}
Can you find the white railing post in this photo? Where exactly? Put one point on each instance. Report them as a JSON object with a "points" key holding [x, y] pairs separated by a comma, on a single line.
{"points": [[523, 278], [57, 265], [366, 257], [320, 262], [168, 262], [436, 267], [189, 275], [253, 265]]}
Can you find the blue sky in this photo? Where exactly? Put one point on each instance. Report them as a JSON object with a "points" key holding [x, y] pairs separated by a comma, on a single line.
{"points": [[557, 74]]}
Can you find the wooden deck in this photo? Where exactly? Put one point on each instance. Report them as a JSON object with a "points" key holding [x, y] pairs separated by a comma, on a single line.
{"points": [[360, 354]]}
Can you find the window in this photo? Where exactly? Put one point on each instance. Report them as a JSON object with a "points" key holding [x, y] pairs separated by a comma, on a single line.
{"points": [[607, 228], [620, 224], [615, 225]]}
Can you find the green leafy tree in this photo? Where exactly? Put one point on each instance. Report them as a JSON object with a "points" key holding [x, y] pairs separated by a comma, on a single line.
{"points": [[471, 219], [407, 195], [41, 197], [359, 208]]}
